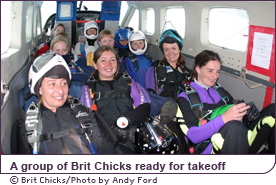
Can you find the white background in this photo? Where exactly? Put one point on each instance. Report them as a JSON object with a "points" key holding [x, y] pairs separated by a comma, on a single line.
{"points": [[262, 167]]}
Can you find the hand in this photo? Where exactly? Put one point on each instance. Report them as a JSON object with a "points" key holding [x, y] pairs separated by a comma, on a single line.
{"points": [[235, 112], [253, 112]]}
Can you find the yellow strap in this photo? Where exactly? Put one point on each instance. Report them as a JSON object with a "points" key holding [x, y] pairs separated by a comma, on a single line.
{"points": [[89, 59], [217, 141], [179, 115], [91, 94], [184, 128], [269, 120], [250, 136]]}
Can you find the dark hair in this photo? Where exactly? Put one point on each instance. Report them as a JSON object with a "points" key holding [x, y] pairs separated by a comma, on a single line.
{"points": [[59, 24], [202, 59], [98, 53], [171, 40]]}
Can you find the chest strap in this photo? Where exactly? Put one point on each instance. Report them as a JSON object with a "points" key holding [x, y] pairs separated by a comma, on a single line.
{"points": [[33, 124]]}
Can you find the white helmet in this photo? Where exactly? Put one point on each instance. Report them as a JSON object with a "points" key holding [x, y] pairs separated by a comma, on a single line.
{"points": [[88, 25], [47, 65], [137, 35]]}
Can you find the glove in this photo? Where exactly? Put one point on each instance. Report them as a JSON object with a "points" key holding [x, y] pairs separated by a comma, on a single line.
{"points": [[253, 112]]}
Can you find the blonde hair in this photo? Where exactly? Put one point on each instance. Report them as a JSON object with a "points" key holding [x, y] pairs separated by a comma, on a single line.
{"points": [[65, 35], [59, 38], [104, 33]]}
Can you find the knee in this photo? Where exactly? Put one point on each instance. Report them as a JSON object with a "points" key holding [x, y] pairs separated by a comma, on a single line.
{"points": [[234, 125], [270, 109], [233, 128]]}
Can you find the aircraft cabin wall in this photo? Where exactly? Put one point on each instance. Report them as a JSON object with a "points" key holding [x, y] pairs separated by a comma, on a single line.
{"points": [[196, 40]]}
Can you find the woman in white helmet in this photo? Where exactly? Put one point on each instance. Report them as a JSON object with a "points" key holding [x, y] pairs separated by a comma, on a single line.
{"points": [[137, 63], [58, 124], [85, 49]]}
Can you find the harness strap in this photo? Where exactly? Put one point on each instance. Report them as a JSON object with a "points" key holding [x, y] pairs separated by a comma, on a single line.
{"points": [[109, 94], [197, 107], [57, 135], [194, 99], [160, 75], [33, 124], [81, 114], [134, 60], [221, 92]]}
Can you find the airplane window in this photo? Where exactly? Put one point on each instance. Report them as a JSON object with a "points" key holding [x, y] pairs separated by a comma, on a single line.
{"points": [[124, 8], [178, 22], [5, 23], [229, 28], [37, 27], [35, 22], [90, 5], [150, 18], [38, 23], [134, 22], [29, 21], [47, 9]]}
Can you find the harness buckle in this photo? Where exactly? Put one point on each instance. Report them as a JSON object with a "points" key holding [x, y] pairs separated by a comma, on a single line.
{"points": [[74, 102], [97, 96], [172, 83]]}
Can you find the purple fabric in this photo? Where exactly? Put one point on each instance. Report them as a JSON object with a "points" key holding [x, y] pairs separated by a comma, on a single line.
{"points": [[203, 94], [139, 94], [204, 132], [150, 83], [208, 150], [183, 95], [85, 96], [198, 134]]}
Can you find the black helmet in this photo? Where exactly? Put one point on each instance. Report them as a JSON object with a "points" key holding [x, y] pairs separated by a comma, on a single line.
{"points": [[153, 138]]}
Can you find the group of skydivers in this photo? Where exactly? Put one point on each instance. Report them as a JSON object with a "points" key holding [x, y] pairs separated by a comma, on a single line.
{"points": [[107, 96]]}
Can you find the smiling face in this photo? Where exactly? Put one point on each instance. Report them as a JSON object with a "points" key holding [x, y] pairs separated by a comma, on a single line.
{"points": [[106, 65], [53, 92], [60, 48], [209, 73], [171, 52], [137, 44], [107, 41]]}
